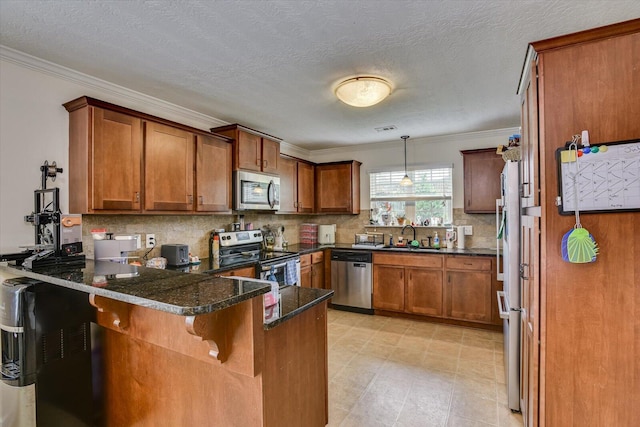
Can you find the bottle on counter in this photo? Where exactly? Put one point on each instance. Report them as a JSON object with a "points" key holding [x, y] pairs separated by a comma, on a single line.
{"points": [[390, 239], [216, 247], [436, 241]]}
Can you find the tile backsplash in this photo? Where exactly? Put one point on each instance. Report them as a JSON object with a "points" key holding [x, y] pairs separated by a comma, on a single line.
{"points": [[193, 230]]}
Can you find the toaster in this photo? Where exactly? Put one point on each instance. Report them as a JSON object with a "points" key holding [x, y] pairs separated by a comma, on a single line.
{"points": [[175, 254]]}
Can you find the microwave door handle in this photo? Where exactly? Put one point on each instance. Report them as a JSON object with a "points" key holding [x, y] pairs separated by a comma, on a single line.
{"points": [[271, 194]]}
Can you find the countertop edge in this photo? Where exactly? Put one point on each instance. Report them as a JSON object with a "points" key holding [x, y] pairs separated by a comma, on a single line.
{"points": [[326, 295]]}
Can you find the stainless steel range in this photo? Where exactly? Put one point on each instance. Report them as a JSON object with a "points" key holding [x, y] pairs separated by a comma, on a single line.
{"points": [[242, 247]]}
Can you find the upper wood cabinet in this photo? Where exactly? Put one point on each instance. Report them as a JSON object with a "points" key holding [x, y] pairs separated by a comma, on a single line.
{"points": [[213, 174], [338, 187], [253, 150], [107, 166], [482, 170], [168, 168], [296, 185]]}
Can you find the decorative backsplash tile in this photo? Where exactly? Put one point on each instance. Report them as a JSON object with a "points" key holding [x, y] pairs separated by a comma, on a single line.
{"points": [[194, 230]]}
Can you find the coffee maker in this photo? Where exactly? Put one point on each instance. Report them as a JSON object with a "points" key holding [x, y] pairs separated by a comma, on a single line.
{"points": [[46, 355]]}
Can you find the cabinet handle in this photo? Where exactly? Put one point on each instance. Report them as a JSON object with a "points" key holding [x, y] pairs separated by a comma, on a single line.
{"points": [[522, 276], [264, 164], [201, 200], [136, 196], [295, 204], [190, 198]]}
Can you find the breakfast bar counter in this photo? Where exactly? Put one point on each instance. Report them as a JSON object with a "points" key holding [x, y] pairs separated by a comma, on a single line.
{"points": [[193, 349]]}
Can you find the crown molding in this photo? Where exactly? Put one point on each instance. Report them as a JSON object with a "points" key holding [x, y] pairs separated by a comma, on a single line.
{"points": [[455, 137], [119, 93]]}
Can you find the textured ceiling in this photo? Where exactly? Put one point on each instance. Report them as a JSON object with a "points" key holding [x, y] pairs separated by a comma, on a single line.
{"points": [[272, 65]]}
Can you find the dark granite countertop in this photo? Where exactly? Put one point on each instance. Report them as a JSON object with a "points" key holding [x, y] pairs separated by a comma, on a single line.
{"points": [[293, 301], [164, 290], [302, 249]]}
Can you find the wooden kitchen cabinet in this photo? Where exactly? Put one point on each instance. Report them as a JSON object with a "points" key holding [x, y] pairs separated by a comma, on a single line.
{"points": [[337, 187], [305, 271], [468, 288], [482, 169], [168, 167], [296, 185], [213, 174], [408, 283], [388, 287], [105, 153], [317, 270], [253, 150], [240, 272], [107, 165], [424, 291]]}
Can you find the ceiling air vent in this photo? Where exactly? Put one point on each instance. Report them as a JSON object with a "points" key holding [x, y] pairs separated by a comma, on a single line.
{"points": [[386, 128]]}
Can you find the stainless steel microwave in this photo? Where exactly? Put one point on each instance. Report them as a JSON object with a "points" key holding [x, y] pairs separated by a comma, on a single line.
{"points": [[256, 191]]}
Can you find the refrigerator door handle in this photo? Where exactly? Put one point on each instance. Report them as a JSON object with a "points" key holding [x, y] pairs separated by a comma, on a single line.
{"points": [[500, 274], [503, 309]]}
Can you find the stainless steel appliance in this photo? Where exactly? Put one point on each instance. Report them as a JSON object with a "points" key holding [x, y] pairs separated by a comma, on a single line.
{"points": [[175, 254], [46, 355], [509, 304], [352, 280], [242, 247], [256, 191]]}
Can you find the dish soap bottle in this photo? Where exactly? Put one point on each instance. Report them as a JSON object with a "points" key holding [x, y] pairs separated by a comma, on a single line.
{"points": [[436, 241], [390, 239]]}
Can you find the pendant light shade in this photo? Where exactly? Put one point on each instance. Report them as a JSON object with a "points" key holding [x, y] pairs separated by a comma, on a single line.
{"points": [[406, 181], [363, 91]]}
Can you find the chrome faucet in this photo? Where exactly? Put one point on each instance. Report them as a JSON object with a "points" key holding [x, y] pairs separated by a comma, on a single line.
{"points": [[411, 227]]}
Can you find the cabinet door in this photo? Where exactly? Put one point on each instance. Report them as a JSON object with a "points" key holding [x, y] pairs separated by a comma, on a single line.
{"points": [[468, 295], [117, 149], [213, 174], [388, 287], [305, 277], [287, 170], [169, 161], [334, 189], [306, 183], [482, 170], [424, 291], [270, 155], [249, 151]]}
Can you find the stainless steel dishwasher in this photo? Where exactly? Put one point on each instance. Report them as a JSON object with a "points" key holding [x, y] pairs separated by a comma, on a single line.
{"points": [[351, 280]]}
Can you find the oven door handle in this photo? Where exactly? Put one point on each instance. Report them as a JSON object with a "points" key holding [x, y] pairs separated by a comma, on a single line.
{"points": [[281, 265]]}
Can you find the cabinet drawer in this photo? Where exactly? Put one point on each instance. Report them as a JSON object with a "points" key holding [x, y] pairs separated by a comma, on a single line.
{"points": [[468, 263], [305, 260], [317, 257], [409, 260]]}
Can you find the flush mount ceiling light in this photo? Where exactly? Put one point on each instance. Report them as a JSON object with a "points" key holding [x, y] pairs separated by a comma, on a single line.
{"points": [[363, 91], [406, 181]]}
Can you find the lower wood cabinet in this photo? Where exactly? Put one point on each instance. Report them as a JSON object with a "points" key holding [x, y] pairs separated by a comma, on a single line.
{"points": [[454, 287], [312, 270], [469, 288], [408, 283], [241, 272]]}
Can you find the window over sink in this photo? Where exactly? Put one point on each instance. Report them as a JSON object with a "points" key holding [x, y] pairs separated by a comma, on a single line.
{"points": [[429, 201]]}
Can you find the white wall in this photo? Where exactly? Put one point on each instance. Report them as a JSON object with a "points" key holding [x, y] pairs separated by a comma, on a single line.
{"points": [[420, 151], [34, 128]]}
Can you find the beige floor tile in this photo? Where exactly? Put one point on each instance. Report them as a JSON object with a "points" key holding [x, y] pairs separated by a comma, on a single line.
{"points": [[387, 371], [474, 407], [473, 369], [485, 388], [477, 354]]}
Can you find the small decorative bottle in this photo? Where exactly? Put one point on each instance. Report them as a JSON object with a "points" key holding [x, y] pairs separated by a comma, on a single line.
{"points": [[390, 239], [436, 241]]}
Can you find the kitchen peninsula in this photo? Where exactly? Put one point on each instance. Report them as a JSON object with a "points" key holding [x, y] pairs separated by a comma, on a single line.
{"points": [[192, 349]]}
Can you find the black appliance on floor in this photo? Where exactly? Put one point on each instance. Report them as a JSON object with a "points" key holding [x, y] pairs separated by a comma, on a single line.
{"points": [[46, 355]]}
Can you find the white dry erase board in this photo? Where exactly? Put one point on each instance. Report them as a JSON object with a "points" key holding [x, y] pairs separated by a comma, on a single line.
{"points": [[604, 179]]}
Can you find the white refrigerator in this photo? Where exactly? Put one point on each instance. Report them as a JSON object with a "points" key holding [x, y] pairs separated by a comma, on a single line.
{"points": [[508, 234]]}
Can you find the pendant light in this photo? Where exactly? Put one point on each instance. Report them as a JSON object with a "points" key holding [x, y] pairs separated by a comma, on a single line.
{"points": [[406, 181]]}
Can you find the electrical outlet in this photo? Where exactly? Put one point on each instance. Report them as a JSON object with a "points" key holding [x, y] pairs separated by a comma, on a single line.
{"points": [[468, 230], [151, 241], [138, 241]]}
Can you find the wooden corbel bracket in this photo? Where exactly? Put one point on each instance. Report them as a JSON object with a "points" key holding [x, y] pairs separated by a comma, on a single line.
{"points": [[204, 327], [118, 311]]}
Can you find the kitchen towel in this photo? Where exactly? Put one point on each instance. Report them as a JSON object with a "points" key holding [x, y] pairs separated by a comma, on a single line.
{"points": [[290, 273]]}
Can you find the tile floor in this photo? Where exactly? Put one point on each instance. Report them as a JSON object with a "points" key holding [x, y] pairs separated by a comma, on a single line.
{"points": [[396, 372]]}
